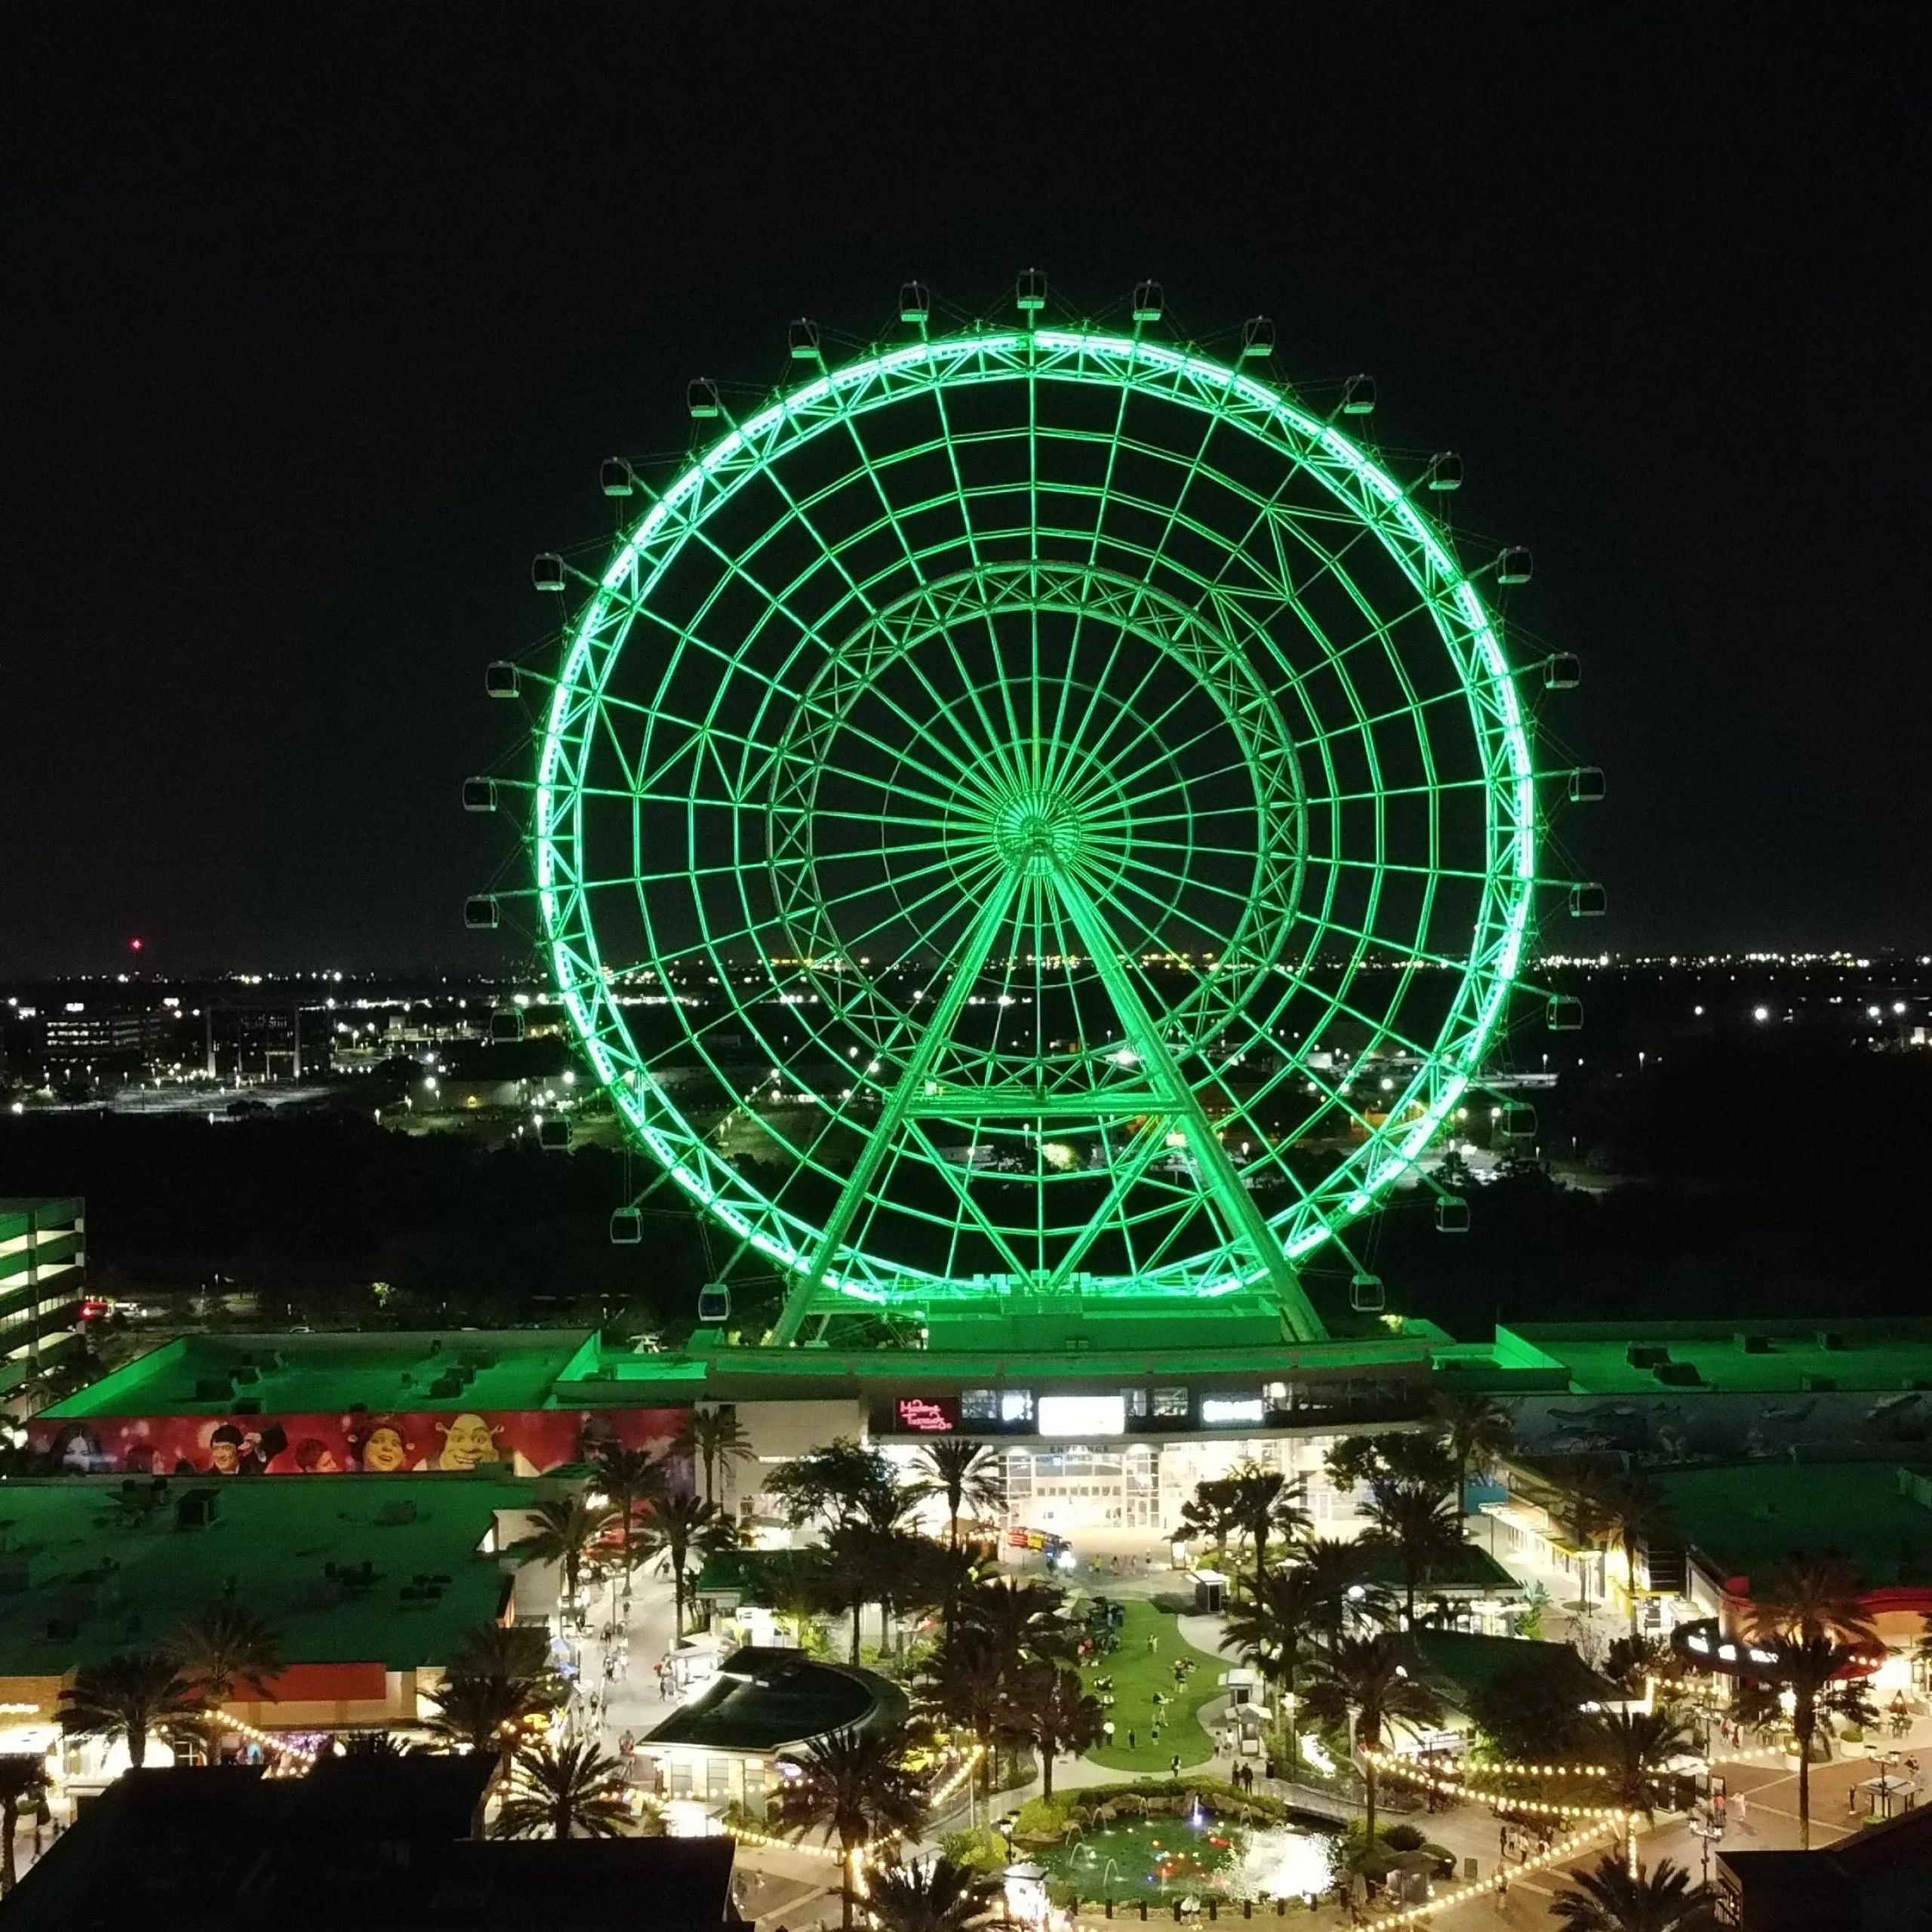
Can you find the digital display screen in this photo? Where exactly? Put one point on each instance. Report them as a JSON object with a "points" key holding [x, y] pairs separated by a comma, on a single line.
{"points": [[1082, 1415], [1217, 1412]]}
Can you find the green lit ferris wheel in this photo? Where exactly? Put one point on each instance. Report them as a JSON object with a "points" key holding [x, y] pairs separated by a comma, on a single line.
{"points": [[1035, 816]]}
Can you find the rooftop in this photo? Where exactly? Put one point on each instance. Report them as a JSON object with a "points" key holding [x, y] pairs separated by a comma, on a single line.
{"points": [[1751, 1357], [1465, 1663], [77, 1562], [1746, 1518], [764, 1699], [325, 1374], [359, 1843]]}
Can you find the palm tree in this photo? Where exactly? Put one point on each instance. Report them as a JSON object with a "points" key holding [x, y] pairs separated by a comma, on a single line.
{"points": [[633, 1480], [1051, 1709], [968, 1475], [1418, 1525], [520, 1650], [679, 1529], [828, 1485], [1633, 1747], [1633, 1513], [1366, 1680], [371, 1744], [484, 1713], [562, 1532], [1275, 1629], [1024, 1619], [966, 1679], [564, 1791], [1810, 1617], [1474, 1430], [226, 1644], [856, 1789], [1612, 1898], [714, 1438], [1263, 1502], [1572, 1490], [936, 1897], [1338, 1570], [1207, 1516], [22, 1781], [136, 1695]]}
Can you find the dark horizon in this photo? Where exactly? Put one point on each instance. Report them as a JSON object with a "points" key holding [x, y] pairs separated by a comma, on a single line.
{"points": [[320, 326]]}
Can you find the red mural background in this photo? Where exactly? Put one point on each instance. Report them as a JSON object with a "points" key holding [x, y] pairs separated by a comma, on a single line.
{"points": [[526, 1441]]}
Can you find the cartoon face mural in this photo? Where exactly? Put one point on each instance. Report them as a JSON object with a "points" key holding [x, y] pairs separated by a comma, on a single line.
{"points": [[468, 1442], [527, 1440]]}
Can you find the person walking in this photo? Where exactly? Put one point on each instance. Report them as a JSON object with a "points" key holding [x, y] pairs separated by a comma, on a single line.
{"points": [[1132, 1738]]}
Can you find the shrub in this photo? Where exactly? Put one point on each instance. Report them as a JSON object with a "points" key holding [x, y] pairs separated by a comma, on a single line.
{"points": [[1402, 1837]]}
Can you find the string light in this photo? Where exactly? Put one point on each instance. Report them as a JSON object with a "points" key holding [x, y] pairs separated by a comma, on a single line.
{"points": [[1393, 1766], [256, 1735], [1561, 1849], [956, 1780]]}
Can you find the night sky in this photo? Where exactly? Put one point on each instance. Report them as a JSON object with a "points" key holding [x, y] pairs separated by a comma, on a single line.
{"points": [[317, 322]]}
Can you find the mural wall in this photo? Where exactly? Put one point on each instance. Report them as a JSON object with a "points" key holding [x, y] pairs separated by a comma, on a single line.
{"points": [[528, 1442], [1726, 1426]]}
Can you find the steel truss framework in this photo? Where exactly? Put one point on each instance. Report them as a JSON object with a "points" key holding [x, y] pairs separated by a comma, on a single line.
{"points": [[1034, 811]]}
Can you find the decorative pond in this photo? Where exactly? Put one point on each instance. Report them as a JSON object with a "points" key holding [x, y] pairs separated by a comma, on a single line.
{"points": [[1168, 1858]]}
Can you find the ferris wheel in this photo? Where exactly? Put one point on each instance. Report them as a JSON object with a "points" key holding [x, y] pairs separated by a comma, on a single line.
{"points": [[1035, 814]]}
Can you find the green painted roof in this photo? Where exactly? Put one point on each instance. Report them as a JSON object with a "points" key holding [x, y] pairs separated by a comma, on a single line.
{"points": [[325, 1374], [1464, 1663], [1746, 1518], [1760, 1357], [1474, 1569], [765, 1698], [73, 1561]]}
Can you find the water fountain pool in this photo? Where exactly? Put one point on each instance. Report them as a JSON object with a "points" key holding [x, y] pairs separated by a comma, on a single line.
{"points": [[1168, 1858]]}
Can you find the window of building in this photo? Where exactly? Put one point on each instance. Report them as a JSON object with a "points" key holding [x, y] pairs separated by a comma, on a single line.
{"points": [[979, 1405], [1136, 1400], [1170, 1404], [1016, 1405]]}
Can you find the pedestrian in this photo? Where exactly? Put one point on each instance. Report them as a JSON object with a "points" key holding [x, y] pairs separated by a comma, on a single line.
{"points": [[627, 1743], [1153, 1644], [1173, 1765], [1740, 1810], [1131, 1738]]}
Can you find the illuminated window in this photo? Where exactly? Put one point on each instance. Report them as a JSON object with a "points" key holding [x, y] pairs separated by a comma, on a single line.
{"points": [[979, 1405], [1170, 1404]]}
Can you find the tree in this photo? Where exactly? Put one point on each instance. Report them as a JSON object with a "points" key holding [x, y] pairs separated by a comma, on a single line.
{"points": [[1633, 1747], [936, 1897], [1207, 1516], [633, 1481], [856, 1788], [1632, 1512], [22, 1781], [1810, 1618], [1571, 1488], [1399, 1456], [714, 1438], [1611, 1898], [966, 1680], [1474, 1431], [1532, 1710], [1419, 1526], [562, 1532], [1026, 1620], [967, 1475], [1263, 1503], [680, 1529], [136, 1695], [1050, 1708], [564, 1791], [225, 1644], [520, 1650], [1276, 1629], [830, 1485], [1366, 1680], [1338, 1580]]}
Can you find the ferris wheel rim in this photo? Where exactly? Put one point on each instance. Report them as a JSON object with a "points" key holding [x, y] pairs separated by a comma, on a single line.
{"points": [[1500, 933]]}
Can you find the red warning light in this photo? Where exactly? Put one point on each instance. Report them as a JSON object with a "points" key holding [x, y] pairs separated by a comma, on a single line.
{"points": [[136, 945]]}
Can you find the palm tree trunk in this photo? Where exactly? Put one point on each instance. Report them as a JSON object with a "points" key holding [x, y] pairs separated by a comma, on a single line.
{"points": [[1804, 1723], [1046, 1770], [1260, 1561], [1630, 1578], [858, 1616], [1368, 1779], [137, 1745], [9, 1819]]}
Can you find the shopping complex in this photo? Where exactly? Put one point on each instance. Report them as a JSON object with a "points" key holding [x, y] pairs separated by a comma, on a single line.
{"points": [[1779, 1437]]}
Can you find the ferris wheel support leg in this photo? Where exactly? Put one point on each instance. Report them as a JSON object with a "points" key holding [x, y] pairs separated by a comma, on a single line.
{"points": [[1245, 1220], [919, 1064]]}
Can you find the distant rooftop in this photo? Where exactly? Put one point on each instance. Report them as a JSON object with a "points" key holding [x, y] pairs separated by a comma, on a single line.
{"points": [[1745, 1519], [1464, 1664], [764, 1699], [74, 1564], [1753, 1356], [325, 1374]]}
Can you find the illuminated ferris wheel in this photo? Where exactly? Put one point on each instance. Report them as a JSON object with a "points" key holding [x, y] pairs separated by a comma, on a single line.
{"points": [[1035, 814]]}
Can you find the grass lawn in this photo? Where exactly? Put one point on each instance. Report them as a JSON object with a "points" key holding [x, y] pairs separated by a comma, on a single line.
{"points": [[1137, 1673]]}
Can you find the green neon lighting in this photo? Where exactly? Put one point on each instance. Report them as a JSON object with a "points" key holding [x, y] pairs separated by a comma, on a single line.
{"points": [[921, 725]]}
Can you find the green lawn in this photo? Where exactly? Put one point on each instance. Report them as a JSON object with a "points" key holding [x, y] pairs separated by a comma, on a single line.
{"points": [[1137, 1673]]}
